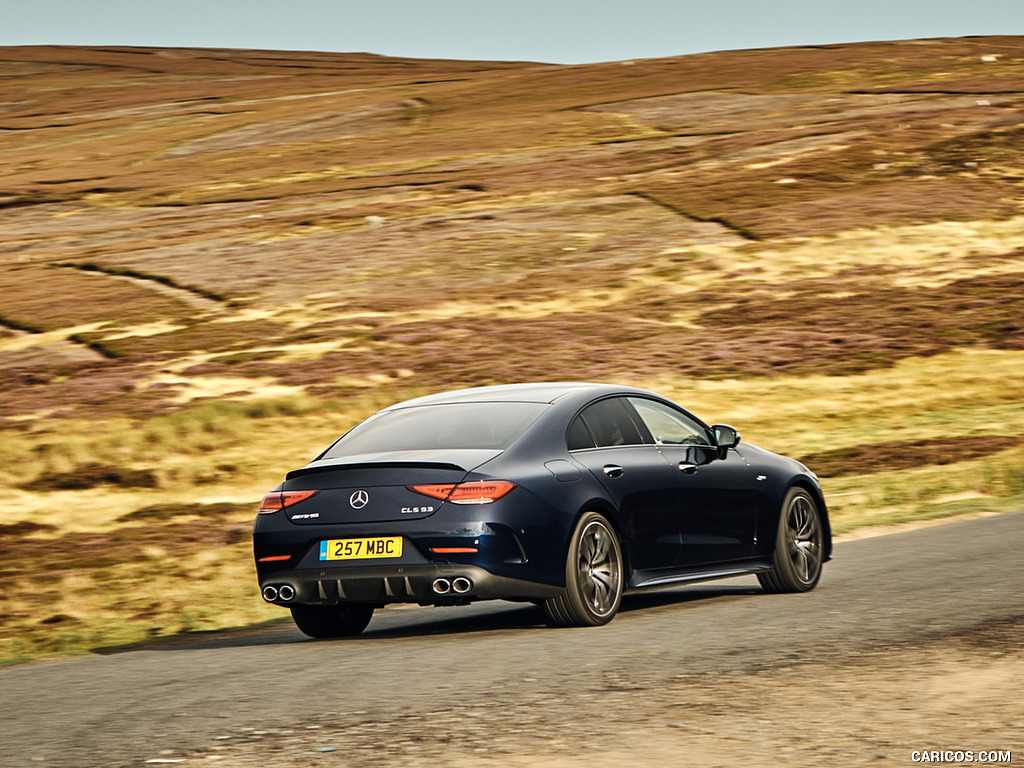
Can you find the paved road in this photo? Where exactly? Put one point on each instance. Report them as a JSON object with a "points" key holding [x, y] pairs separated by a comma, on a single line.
{"points": [[122, 709]]}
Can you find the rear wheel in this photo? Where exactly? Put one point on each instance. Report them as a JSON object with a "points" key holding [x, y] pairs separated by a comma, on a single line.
{"points": [[798, 546], [342, 620], [593, 576]]}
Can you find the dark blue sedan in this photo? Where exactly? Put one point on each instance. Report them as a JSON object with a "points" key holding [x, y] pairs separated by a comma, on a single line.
{"points": [[566, 495]]}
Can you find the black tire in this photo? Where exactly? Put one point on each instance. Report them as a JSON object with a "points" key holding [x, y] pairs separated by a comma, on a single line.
{"points": [[593, 576], [799, 546], [332, 620]]}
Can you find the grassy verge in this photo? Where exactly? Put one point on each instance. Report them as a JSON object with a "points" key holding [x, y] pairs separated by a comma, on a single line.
{"points": [[126, 531]]}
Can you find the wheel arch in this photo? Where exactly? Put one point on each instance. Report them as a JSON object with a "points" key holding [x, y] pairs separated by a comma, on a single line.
{"points": [[607, 510], [814, 491]]}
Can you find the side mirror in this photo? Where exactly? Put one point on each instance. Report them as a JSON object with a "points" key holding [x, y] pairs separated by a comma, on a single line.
{"points": [[726, 436]]}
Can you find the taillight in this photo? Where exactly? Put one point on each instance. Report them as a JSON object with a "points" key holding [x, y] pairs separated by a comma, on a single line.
{"points": [[278, 500], [480, 492]]}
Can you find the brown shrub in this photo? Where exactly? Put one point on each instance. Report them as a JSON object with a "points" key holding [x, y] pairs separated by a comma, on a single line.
{"points": [[92, 475], [908, 454]]}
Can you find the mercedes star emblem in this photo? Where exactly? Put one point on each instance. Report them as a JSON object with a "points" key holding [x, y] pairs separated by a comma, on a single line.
{"points": [[359, 499]]}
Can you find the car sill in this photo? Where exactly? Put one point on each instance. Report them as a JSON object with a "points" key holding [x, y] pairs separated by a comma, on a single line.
{"points": [[662, 578]]}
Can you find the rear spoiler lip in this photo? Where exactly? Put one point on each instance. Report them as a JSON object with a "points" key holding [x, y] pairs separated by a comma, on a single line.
{"points": [[313, 469]]}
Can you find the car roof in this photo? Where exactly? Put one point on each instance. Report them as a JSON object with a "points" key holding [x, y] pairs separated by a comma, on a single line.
{"points": [[540, 392]]}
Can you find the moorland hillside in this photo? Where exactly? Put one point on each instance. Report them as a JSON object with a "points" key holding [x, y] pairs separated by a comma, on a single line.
{"points": [[212, 261]]}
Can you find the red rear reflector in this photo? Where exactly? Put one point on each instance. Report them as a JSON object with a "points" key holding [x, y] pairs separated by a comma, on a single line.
{"points": [[453, 550], [277, 500], [481, 492], [274, 558]]}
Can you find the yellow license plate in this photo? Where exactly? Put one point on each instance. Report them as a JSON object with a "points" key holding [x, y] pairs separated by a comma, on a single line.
{"points": [[361, 549]]}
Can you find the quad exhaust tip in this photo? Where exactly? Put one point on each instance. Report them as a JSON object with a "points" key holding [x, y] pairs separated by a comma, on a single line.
{"points": [[286, 592]]}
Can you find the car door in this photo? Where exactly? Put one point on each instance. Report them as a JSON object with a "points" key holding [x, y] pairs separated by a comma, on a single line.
{"points": [[606, 440], [717, 514]]}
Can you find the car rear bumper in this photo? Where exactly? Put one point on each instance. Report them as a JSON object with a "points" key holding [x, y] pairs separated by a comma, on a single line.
{"points": [[425, 583]]}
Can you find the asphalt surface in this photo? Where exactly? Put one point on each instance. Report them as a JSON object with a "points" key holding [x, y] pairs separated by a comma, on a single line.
{"points": [[128, 707]]}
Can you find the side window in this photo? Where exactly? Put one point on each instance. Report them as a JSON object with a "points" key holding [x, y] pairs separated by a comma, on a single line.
{"points": [[668, 425], [579, 437], [610, 423]]}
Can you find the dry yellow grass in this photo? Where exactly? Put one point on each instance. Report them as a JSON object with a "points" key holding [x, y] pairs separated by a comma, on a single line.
{"points": [[967, 392]]}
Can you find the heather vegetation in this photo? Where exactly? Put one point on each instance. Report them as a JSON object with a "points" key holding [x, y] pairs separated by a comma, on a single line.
{"points": [[215, 262]]}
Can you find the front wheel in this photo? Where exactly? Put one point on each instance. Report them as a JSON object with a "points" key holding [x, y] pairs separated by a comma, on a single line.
{"points": [[593, 576], [342, 620], [798, 546]]}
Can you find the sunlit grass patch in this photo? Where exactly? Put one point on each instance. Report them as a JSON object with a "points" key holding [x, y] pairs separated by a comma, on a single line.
{"points": [[188, 388], [846, 520], [22, 341], [194, 335], [993, 484], [212, 444], [965, 392], [923, 255], [85, 476], [151, 592], [146, 329], [171, 511]]}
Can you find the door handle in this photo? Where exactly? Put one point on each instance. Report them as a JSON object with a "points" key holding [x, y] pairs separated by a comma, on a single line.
{"points": [[613, 470], [687, 469]]}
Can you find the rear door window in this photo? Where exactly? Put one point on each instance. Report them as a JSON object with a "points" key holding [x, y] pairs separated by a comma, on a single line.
{"points": [[579, 437], [610, 423]]}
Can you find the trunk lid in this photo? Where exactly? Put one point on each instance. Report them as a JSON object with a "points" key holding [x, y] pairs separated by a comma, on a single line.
{"points": [[373, 487]]}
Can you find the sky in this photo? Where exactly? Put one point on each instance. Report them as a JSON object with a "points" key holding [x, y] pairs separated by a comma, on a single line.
{"points": [[554, 31]]}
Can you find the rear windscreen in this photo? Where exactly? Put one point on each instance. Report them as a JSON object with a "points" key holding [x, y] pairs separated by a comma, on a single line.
{"points": [[492, 426]]}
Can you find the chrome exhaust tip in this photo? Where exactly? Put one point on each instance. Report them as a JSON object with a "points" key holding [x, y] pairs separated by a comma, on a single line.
{"points": [[270, 594], [462, 585], [286, 592], [442, 586]]}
